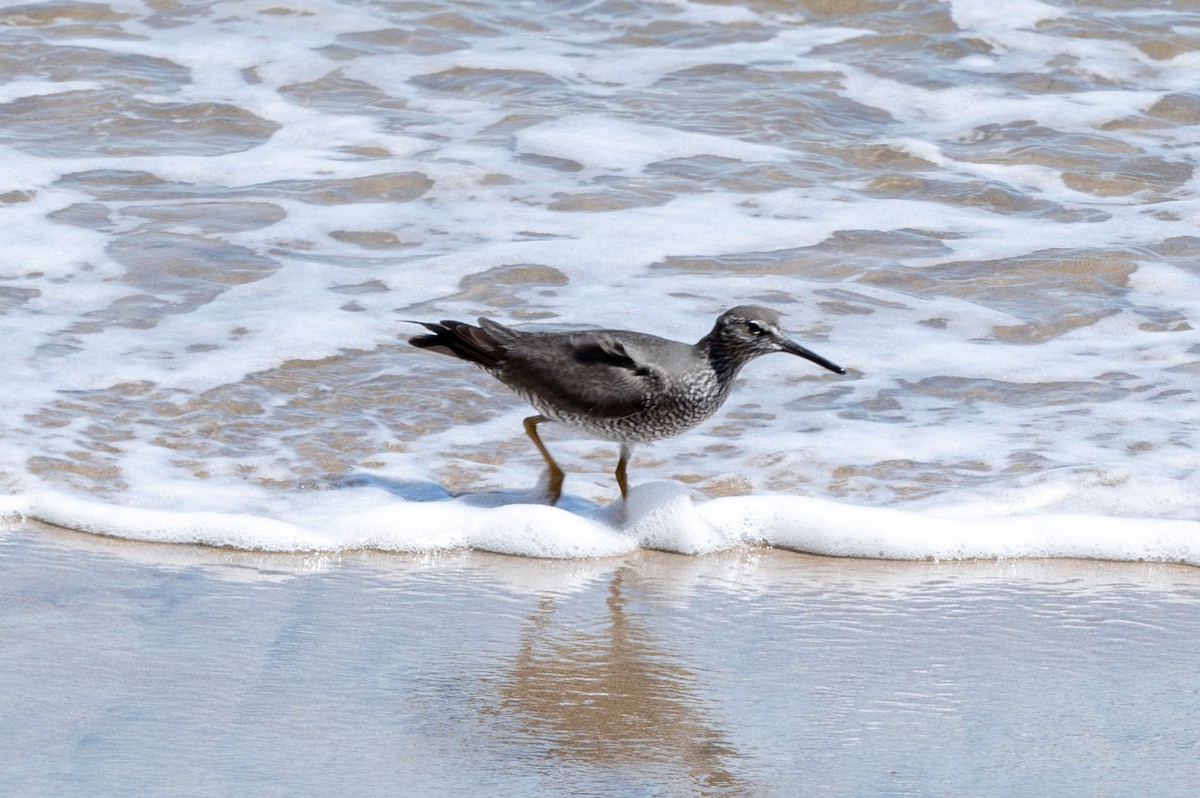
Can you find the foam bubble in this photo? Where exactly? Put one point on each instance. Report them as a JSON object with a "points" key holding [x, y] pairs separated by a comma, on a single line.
{"points": [[17, 89], [630, 146], [982, 15], [661, 516]]}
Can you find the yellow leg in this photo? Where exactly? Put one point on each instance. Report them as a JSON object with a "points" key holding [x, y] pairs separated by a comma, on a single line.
{"points": [[622, 463], [555, 474]]}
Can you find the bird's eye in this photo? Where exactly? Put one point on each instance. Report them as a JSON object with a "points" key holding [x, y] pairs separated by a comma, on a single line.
{"points": [[755, 328]]}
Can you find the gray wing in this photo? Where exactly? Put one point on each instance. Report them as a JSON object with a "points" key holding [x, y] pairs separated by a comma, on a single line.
{"points": [[596, 374]]}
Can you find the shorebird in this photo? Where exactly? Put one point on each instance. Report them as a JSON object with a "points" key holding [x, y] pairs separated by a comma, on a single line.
{"points": [[616, 385]]}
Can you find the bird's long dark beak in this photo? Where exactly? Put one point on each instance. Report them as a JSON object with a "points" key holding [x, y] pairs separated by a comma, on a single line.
{"points": [[808, 354]]}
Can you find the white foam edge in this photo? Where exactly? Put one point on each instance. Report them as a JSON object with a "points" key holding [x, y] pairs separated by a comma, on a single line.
{"points": [[659, 515], [819, 526], [529, 530]]}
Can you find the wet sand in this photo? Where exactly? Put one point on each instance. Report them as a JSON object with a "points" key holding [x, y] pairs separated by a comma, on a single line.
{"points": [[169, 670]]}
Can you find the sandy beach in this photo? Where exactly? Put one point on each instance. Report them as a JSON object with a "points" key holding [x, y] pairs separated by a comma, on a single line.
{"points": [[157, 669]]}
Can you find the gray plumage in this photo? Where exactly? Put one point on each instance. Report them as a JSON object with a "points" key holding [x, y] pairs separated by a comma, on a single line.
{"points": [[616, 385]]}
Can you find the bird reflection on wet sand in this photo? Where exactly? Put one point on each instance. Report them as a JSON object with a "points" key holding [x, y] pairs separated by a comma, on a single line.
{"points": [[614, 697]]}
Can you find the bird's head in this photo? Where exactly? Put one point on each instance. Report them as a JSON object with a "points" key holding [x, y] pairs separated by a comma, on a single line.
{"points": [[748, 331]]}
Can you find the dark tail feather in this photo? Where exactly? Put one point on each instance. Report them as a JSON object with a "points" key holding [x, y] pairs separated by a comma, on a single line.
{"points": [[460, 340]]}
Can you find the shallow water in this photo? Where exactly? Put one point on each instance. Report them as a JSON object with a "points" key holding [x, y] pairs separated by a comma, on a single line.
{"points": [[218, 217], [156, 669]]}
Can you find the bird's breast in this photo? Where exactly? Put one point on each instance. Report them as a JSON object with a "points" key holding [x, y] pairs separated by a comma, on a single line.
{"points": [[672, 411]]}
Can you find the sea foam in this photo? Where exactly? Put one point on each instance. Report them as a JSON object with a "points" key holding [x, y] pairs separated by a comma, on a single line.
{"points": [[658, 515], [985, 212]]}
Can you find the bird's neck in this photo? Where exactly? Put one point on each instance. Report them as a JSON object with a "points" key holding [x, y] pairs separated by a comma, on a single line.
{"points": [[722, 359]]}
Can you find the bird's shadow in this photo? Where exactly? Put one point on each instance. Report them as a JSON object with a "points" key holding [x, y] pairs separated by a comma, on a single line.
{"points": [[425, 491]]}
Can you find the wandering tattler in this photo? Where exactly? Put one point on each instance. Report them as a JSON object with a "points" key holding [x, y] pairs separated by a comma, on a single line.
{"points": [[616, 385]]}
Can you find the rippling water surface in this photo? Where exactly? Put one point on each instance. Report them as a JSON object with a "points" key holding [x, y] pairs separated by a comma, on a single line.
{"points": [[218, 215]]}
